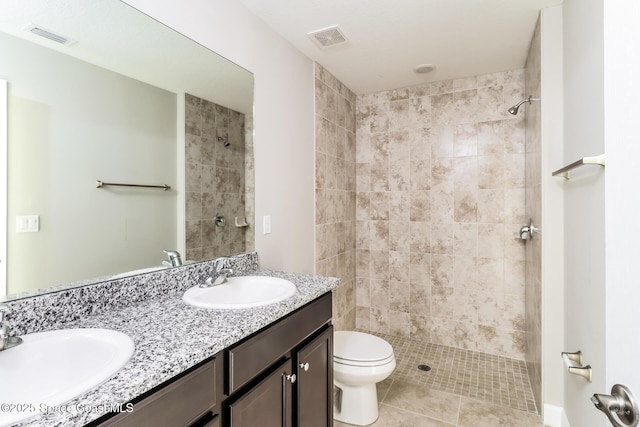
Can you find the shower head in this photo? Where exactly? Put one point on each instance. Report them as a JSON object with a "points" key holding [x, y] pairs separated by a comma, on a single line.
{"points": [[514, 110], [224, 140]]}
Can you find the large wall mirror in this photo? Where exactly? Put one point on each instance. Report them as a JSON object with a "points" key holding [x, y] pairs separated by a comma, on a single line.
{"points": [[96, 90]]}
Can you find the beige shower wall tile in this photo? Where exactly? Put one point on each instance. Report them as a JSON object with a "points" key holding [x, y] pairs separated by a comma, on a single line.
{"points": [[442, 273], [363, 318], [379, 320], [379, 267], [362, 230], [442, 205], [442, 235], [193, 202], [419, 174], [400, 236], [378, 206], [465, 239], [420, 237], [465, 272], [399, 175], [442, 139], [420, 144], [490, 274], [501, 342], [379, 236], [465, 140], [420, 205], [491, 172], [491, 241], [421, 326], [457, 304], [420, 298], [363, 263], [490, 206], [514, 277], [400, 297], [379, 176], [399, 206], [399, 323], [399, 266], [455, 334], [465, 206], [442, 173]]}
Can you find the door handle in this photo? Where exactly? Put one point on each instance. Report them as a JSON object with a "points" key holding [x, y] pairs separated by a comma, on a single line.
{"points": [[620, 402]]}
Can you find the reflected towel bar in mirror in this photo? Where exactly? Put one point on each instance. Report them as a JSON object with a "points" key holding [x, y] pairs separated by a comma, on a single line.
{"points": [[100, 184]]}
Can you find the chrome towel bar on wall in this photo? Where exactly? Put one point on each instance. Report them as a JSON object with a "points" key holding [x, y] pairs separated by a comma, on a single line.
{"points": [[594, 160], [100, 184]]}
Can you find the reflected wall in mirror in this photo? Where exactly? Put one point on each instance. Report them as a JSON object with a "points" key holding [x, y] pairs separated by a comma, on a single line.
{"points": [[114, 106]]}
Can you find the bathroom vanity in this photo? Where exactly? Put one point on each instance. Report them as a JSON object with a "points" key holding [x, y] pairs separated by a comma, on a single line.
{"points": [[268, 365], [279, 376]]}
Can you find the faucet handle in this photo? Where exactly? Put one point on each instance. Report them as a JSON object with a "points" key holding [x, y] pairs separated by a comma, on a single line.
{"points": [[218, 264], [4, 310]]}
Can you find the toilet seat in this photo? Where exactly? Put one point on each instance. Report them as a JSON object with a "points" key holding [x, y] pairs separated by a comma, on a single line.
{"points": [[360, 349]]}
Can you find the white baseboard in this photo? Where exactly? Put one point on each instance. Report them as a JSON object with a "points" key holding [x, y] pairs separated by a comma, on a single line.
{"points": [[554, 416]]}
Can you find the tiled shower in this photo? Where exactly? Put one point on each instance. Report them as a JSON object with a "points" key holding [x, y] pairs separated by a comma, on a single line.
{"points": [[420, 193], [218, 149]]}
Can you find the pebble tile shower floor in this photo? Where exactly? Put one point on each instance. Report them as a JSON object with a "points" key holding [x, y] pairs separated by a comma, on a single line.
{"points": [[494, 379]]}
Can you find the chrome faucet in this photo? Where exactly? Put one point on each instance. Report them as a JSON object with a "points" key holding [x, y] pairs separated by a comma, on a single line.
{"points": [[174, 258], [220, 273], [5, 340]]}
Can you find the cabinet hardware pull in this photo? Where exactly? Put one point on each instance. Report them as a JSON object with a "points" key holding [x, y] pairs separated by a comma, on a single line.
{"points": [[291, 378], [305, 366]]}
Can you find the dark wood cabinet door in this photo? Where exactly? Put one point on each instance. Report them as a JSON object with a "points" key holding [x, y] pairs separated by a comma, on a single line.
{"points": [[268, 404], [314, 388]]}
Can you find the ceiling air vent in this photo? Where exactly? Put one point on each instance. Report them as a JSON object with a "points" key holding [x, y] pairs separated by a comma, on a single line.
{"points": [[328, 37], [47, 34]]}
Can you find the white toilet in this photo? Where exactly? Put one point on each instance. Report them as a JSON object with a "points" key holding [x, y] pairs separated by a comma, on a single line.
{"points": [[359, 362]]}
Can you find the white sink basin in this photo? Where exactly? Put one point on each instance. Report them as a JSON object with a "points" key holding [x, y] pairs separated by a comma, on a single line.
{"points": [[241, 292], [50, 368]]}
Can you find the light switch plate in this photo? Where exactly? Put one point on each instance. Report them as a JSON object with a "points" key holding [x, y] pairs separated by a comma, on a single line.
{"points": [[27, 223], [266, 224]]}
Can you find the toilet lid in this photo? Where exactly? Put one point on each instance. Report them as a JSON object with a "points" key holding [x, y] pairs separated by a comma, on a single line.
{"points": [[358, 346]]}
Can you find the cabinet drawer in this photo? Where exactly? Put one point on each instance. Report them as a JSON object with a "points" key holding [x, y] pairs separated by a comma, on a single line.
{"points": [[178, 404], [251, 357]]}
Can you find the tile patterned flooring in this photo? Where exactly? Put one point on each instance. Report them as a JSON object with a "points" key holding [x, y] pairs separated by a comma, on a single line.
{"points": [[462, 389]]}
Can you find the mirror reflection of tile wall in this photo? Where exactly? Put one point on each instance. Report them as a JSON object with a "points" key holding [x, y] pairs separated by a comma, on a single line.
{"points": [[215, 183]]}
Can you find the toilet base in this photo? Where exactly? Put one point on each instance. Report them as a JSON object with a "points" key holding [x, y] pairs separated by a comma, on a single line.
{"points": [[358, 404]]}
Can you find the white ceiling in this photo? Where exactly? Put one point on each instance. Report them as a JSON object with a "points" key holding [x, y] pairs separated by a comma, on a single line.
{"points": [[388, 38]]}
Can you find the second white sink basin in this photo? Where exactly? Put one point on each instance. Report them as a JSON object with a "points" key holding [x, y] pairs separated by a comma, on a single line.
{"points": [[241, 292], [53, 367]]}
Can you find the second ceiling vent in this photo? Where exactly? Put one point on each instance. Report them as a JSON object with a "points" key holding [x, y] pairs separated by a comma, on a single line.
{"points": [[328, 37]]}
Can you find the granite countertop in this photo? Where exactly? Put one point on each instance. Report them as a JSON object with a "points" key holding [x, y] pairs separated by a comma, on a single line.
{"points": [[170, 337]]}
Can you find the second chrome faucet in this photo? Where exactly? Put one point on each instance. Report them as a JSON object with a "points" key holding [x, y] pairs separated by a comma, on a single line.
{"points": [[220, 273]]}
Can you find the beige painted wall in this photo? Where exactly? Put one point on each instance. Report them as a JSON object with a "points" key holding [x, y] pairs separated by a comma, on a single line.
{"points": [[284, 120], [71, 123], [552, 224], [584, 204]]}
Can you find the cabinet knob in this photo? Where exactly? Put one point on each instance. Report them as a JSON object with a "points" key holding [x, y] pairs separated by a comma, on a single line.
{"points": [[305, 366], [291, 378]]}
